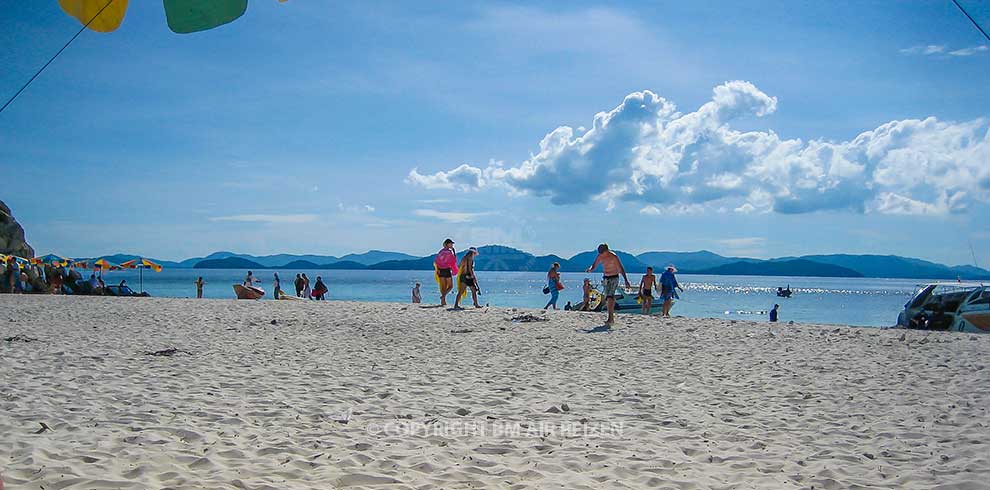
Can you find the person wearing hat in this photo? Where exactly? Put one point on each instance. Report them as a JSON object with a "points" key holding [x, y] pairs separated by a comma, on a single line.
{"points": [[446, 266], [668, 289], [467, 279]]}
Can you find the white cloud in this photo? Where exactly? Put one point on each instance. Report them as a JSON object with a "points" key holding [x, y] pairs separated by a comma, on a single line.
{"points": [[648, 152], [268, 218], [745, 242], [928, 49], [448, 216], [969, 51], [355, 208], [941, 50], [463, 178]]}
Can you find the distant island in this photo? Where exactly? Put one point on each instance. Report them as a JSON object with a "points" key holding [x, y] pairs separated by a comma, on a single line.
{"points": [[502, 258]]}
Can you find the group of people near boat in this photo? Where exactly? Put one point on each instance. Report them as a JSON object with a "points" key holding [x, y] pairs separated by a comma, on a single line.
{"points": [[447, 267], [317, 292]]}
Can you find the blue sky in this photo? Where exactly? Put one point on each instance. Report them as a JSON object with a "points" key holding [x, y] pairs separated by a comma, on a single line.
{"points": [[298, 129]]}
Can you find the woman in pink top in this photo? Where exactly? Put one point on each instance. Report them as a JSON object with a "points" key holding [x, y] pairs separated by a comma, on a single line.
{"points": [[446, 264]]}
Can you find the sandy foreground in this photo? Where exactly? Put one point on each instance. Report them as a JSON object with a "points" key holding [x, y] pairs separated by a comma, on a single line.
{"points": [[281, 395]]}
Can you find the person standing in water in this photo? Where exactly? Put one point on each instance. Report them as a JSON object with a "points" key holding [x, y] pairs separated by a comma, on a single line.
{"points": [[612, 267], [416, 297], [298, 283], [668, 289], [199, 287], [773, 314], [446, 264], [307, 292], [467, 279], [320, 290], [553, 282], [646, 286], [276, 287]]}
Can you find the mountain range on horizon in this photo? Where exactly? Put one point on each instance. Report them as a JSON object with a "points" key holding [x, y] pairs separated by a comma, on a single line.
{"points": [[503, 258]]}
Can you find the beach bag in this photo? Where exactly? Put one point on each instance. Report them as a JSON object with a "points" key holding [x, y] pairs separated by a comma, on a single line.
{"points": [[546, 290]]}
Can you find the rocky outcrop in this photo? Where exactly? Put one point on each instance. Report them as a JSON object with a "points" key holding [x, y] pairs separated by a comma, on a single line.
{"points": [[12, 235]]}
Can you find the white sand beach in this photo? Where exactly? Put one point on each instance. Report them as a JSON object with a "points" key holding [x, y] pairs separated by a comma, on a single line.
{"points": [[286, 395]]}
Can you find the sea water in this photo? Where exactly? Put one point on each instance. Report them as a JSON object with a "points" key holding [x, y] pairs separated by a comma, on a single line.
{"points": [[847, 301]]}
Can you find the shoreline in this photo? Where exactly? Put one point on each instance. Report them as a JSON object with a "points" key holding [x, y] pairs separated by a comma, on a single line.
{"points": [[390, 395]]}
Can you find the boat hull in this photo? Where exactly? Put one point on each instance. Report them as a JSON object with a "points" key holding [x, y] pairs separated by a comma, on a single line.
{"points": [[248, 292]]}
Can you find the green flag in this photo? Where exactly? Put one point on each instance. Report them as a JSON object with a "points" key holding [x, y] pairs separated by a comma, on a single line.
{"points": [[185, 16]]}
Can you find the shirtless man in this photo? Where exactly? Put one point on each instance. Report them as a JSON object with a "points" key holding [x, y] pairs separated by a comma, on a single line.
{"points": [[613, 268], [646, 286]]}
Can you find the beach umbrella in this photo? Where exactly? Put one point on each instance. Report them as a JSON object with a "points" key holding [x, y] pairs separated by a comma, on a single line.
{"points": [[103, 265], [21, 262], [52, 259], [141, 264], [182, 16]]}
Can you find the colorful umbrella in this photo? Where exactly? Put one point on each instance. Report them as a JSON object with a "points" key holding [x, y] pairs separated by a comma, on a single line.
{"points": [[141, 264], [104, 265], [56, 260], [21, 262], [183, 16]]}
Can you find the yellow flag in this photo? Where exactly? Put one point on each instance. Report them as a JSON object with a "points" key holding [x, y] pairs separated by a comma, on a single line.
{"points": [[84, 11]]}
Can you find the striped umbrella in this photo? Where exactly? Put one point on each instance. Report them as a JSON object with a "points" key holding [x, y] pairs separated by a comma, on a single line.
{"points": [[52, 259], [141, 264], [104, 265], [21, 262]]}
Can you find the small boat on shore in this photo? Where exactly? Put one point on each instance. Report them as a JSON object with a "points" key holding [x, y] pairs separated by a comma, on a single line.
{"points": [[248, 292], [948, 306]]}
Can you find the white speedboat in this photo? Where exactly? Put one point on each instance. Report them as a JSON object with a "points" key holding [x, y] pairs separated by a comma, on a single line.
{"points": [[951, 306]]}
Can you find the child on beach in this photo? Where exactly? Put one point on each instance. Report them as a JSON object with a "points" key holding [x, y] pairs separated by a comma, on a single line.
{"points": [[416, 298], [646, 286], [613, 269], [199, 287]]}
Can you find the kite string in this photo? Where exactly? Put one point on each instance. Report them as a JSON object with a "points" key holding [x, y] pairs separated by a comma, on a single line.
{"points": [[961, 9], [9, 101]]}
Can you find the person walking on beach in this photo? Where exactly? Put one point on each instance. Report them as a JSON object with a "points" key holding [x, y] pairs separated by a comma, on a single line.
{"points": [[467, 279], [773, 314], [307, 292], [612, 267], [276, 287], [646, 286], [668, 289], [321, 289], [446, 264], [199, 287], [554, 285], [298, 283], [416, 297]]}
